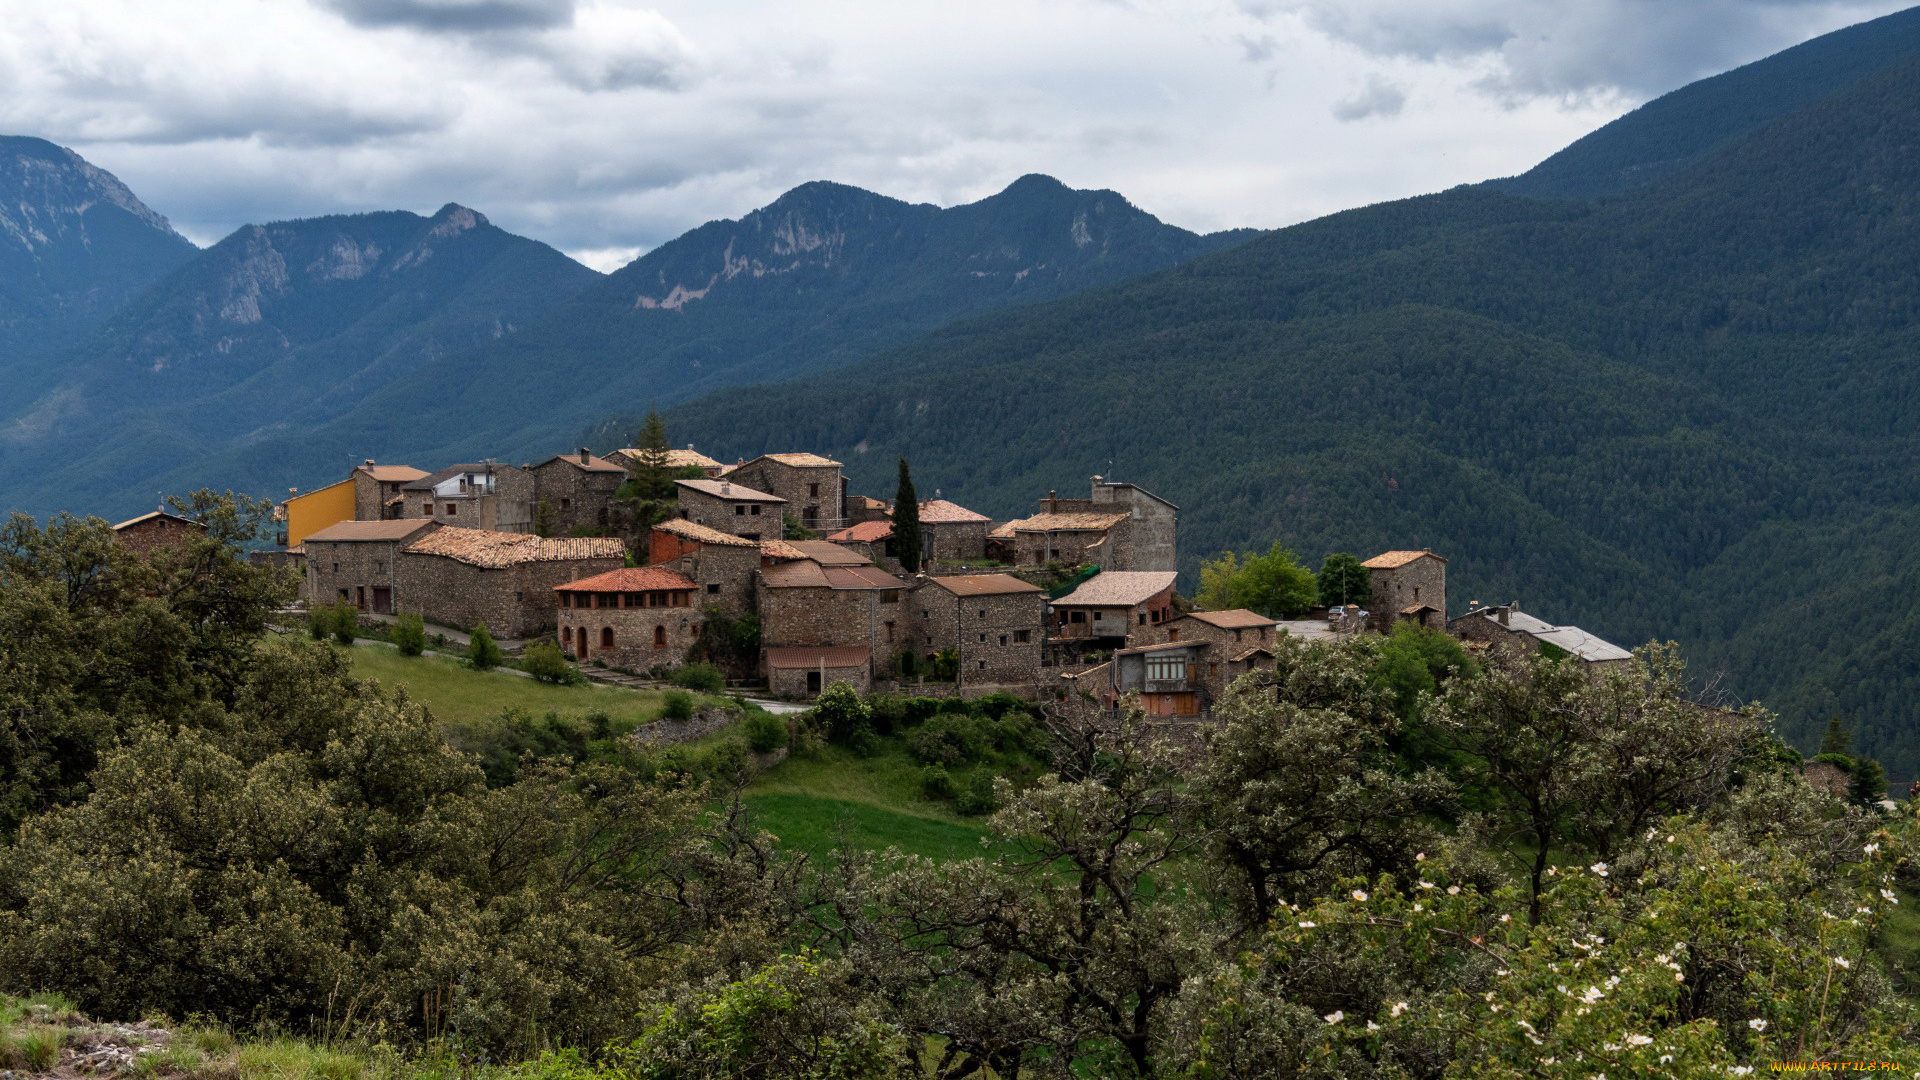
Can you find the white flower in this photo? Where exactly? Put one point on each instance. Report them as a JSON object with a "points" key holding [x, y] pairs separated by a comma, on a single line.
{"points": [[1398, 1008], [1502, 971], [1371, 1026], [1592, 995], [1360, 896], [1599, 868], [1739, 1070], [1553, 871], [1417, 907], [1639, 1040], [1757, 1024], [1453, 890], [1843, 961], [1506, 918], [1425, 884], [1888, 896], [1422, 857], [1651, 832], [1663, 958], [1669, 839], [1871, 848], [1666, 1059], [1305, 925], [1678, 977], [1335, 1016], [1489, 995]]}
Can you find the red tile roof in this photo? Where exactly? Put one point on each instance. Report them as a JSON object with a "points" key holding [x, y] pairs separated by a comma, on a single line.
{"points": [[496, 550], [392, 473], [808, 574], [818, 656], [942, 512], [867, 532], [1061, 523], [693, 530], [1393, 559], [727, 489], [1119, 588], [630, 579]]}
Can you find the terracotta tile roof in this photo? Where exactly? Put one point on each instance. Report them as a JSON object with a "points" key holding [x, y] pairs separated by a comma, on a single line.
{"points": [[984, 584], [1119, 588], [867, 532], [1415, 609], [780, 549], [693, 530], [1236, 619], [942, 512], [1164, 647], [346, 531], [676, 459], [725, 489], [808, 574], [392, 473], [819, 656], [593, 464], [151, 515], [1257, 650], [798, 461], [630, 579], [827, 553], [1393, 559], [1064, 523], [496, 550]]}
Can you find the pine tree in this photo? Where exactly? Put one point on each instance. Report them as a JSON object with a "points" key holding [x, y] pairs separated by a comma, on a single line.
{"points": [[906, 522], [647, 498], [1837, 740]]}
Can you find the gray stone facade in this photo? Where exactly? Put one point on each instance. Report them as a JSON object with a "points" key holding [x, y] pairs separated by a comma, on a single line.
{"points": [[633, 618], [358, 562], [812, 486], [996, 623], [499, 498], [574, 493], [802, 603], [515, 601], [1408, 586], [731, 508], [376, 490], [1118, 527]]}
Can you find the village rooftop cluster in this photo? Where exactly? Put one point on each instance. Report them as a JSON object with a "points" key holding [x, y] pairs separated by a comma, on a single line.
{"points": [[1082, 590]]}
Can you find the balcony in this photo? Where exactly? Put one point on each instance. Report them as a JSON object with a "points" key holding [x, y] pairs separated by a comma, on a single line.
{"points": [[1165, 686]]}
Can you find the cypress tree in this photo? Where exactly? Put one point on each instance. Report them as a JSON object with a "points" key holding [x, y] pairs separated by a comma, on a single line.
{"points": [[906, 522]]}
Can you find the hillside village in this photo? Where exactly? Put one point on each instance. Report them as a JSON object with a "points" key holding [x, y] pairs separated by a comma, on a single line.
{"points": [[773, 570]]}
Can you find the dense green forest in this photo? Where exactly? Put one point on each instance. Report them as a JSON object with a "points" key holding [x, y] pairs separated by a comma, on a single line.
{"points": [[1382, 859], [1685, 411]]}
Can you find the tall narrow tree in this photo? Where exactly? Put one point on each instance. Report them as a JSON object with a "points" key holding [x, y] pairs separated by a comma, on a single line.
{"points": [[906, 522], [646, 499]]}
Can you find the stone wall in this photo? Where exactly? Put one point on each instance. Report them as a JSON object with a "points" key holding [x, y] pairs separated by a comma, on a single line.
{"points": [[998, 638], [1145, 541], [726, 575], [1422, 581], [956, 540], [573, 497], [508, 509], [351, 571], [515, 602], [823, 616], [813, 492], [143, 537], [642, 637], [793, 683], [758, 521]]}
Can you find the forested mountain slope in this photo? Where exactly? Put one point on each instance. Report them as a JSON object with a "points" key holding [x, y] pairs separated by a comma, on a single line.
{"points": [[1677, 128], [1686, 411], [275, 328], [75, 244]]}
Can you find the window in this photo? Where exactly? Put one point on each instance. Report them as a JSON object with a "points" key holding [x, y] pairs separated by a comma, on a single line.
{"points": [[1173, 635], [659, 637], [813, 491], [343, 596], [606, 637], [929, 637], [1021, 637], [889, 633], [603, 515], [756, 511], [452, 509], [983, 665], [983, 614], [750, 536], [518, 596], [1236, 634], [1003, 639], [336, 568], [1213, 669], [379, 566], [427, 509], [1166, 668], [983, 639], [1143, 619], [739, 511], [1096, 616], [566, 504], [1416, 592], [713, 588], [890, 596], [1077, 616]]}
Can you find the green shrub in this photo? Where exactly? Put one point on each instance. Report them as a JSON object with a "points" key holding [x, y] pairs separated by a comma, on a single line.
{"points": [[839, 711], [936, 783], [979, 796], [948, 739], [702, 677], [320, 621], [766, 732], [677, 705], [1838, 761], [410, 634], [345, 624], [864, 741], [544, 661], [482, 653]]}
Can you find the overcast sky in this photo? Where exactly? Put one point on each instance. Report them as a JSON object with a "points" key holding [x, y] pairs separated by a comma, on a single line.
{"points": [[605, 127]]}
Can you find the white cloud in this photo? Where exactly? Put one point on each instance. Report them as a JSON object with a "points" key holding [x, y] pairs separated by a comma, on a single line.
{"points": [[602, 126]]}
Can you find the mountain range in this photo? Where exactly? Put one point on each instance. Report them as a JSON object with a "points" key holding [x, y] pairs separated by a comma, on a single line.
{"points": [[1659, 385]]}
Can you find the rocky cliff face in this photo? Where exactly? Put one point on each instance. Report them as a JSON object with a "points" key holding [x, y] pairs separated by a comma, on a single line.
{"points": [[75, 244]]}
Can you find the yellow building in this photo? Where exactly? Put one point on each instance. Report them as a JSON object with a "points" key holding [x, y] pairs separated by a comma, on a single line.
{"points": [[317, 509]]}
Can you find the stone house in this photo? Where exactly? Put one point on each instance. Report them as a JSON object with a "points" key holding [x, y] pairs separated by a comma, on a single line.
{"points": [[802, 671], [731, 508], [358, 562], [1174, 678], [1112, 609], [1507, 628], [872, 539], [995, 623], [477, 496], [811, 485], [1119, 526], [804, 603], [155, 529], [725, 566], [459, 577], [377, 490], [575, 492], [1408, 586], [861, 508], [1234, 631], [636, 618], [676, 459], [952, 533]]}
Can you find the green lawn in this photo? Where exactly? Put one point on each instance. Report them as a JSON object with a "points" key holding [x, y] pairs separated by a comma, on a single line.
{"points": [[462, 698], [806, 802]]}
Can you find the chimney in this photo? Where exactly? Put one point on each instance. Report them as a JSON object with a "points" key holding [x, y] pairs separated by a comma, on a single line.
{"points": [[726, 488], [1505, 613], [369, 463], [584, 455], [1053, 501]]}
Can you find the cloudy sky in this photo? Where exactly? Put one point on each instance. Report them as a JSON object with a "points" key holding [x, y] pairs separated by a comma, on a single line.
{"points": [[607, 126]]}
